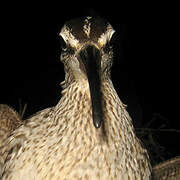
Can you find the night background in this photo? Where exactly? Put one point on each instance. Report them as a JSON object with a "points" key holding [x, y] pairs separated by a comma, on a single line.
{"points": [[145, 71]]}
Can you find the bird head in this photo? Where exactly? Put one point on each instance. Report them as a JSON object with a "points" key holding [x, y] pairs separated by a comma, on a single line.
{"points": [[87, 54]]}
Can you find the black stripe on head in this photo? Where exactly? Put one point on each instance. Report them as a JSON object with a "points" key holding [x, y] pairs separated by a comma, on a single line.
{"points": [[96, 25]]}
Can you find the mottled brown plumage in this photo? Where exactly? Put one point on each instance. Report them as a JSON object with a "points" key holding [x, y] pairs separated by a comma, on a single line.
{"points": [[75, 139], [168, 170], [9, 121]]}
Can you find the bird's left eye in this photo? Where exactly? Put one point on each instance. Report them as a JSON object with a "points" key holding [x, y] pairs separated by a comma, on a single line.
{"points": [[63, 43], [111, 43]]}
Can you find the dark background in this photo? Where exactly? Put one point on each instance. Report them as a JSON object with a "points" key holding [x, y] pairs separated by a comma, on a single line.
{"points": [[145, 71]]}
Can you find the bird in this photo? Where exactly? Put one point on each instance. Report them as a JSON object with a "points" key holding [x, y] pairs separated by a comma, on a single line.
{"points": [[167, 170], [9, 121], [88, 134]]}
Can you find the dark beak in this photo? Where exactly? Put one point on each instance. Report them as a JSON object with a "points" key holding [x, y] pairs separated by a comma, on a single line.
{"points": [[91, 60]]}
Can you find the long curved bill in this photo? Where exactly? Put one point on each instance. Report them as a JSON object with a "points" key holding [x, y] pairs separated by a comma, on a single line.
{"points": [[91, 59]]}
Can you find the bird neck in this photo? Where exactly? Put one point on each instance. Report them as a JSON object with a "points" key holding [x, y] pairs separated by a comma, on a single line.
{"points": [[74, 112]]}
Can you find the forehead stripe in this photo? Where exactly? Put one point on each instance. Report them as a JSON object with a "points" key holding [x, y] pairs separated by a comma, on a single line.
{"points": [[87, 30], [87, 26]]}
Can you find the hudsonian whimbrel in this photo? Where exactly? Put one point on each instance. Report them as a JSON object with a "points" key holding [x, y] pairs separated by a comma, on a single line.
{"points": [[88, 134]]}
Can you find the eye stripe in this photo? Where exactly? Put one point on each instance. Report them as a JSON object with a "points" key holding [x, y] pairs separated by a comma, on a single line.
{"points": [[106, 36], [68, 37]]}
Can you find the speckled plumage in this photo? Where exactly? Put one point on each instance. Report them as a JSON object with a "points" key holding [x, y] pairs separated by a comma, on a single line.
{"points": [[62, 142], [168, 170], [9, 121]]}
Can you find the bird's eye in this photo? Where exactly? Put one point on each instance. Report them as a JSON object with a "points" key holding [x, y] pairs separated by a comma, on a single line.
{"points": [[113, 39], [113, 42], [62, 43]]}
